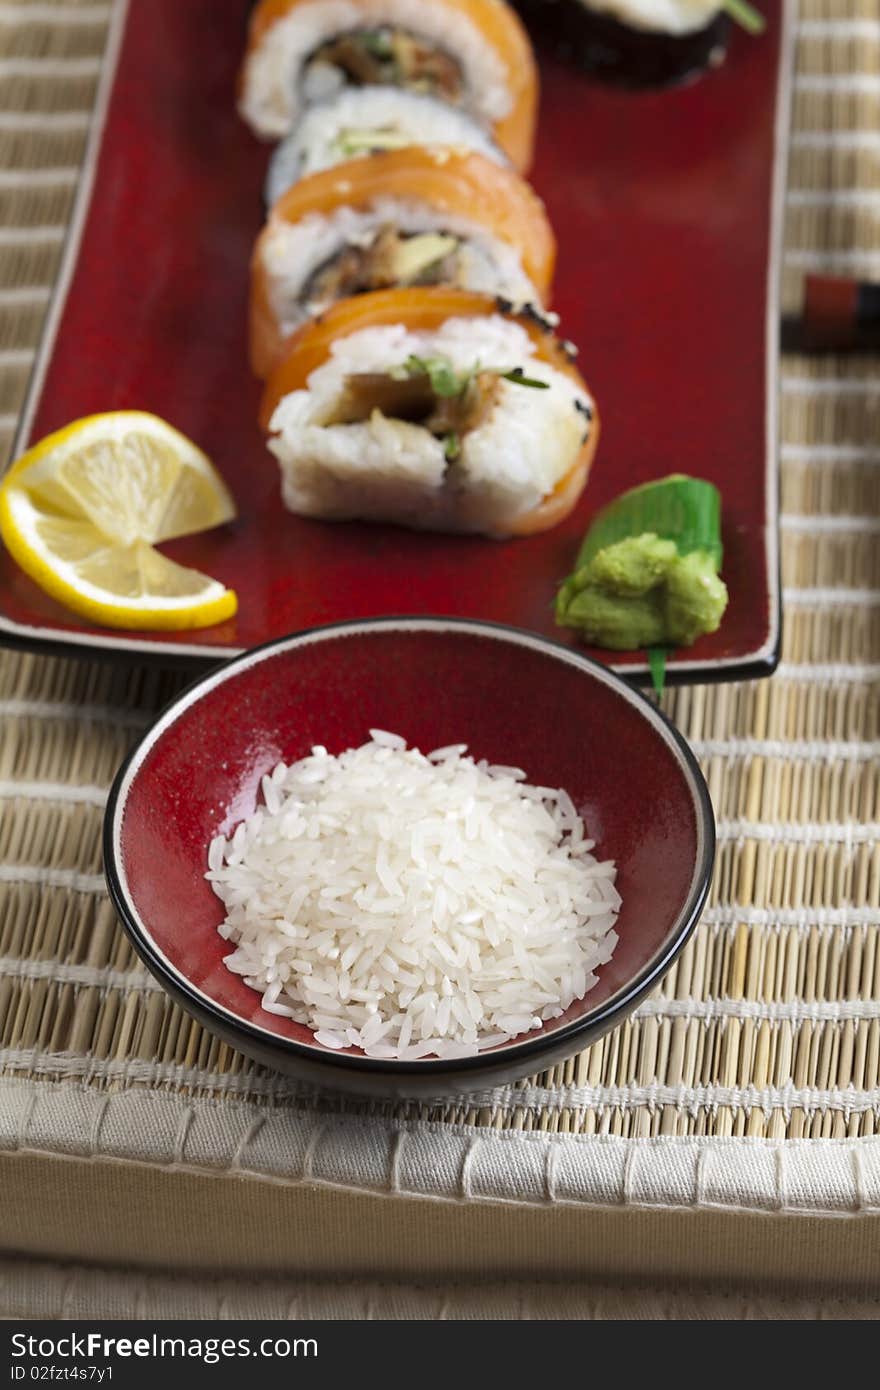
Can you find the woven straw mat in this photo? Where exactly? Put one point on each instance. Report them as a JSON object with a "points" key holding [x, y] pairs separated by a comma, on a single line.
{"points": [[767, 1029]]}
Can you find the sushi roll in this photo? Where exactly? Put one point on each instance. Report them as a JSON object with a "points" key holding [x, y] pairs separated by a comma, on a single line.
{"points": [[368, 121], [636, 43], [432, 408], [472, 54], [415, 216]]}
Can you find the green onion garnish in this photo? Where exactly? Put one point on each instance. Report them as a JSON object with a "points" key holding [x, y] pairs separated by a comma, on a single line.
{"points": [[517, 376], [745, 15], [445, 380], [378, 42]]}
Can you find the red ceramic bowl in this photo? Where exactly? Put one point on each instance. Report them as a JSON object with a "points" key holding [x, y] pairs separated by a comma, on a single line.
{"points": [[514, 699]]}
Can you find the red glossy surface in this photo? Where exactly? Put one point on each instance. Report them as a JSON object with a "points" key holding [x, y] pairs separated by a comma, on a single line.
{"points": [[559, 722], [661, 205]]}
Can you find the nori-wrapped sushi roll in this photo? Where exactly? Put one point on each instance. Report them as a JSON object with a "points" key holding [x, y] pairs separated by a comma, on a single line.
{"points": [[639, 43]]}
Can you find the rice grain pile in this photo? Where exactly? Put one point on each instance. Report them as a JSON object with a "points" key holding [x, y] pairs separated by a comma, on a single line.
{"points": [[413, 905]]}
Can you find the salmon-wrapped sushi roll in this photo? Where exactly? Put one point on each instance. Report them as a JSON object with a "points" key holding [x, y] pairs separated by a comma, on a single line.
{"points": [[433, 408], [473, 54], [408, 217]]}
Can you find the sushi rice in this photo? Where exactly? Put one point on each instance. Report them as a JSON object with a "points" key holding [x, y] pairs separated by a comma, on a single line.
{"points": [[337, 130]]}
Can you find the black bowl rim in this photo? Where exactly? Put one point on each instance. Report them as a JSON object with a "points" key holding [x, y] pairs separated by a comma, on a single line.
{"points": [[530, 1050]]}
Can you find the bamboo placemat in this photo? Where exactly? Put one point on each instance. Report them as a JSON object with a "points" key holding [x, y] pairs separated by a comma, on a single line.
{"points": [[769, 1026]]}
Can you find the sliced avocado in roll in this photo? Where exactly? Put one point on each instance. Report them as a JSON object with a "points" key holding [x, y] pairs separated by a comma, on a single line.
{"points": [[409, 258]]}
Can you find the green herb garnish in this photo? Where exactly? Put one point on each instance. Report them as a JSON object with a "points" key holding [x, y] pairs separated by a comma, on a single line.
{"points": [[451, 446], [378, 43], [445, 380], [745, 15], [517, 376]]}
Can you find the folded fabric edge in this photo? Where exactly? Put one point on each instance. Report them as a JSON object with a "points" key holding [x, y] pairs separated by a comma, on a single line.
{"points": [[421, 1159], [51, 1290]]}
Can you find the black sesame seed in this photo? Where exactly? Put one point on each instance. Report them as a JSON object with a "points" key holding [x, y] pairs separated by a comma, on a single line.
{"points": [[534, 315]]}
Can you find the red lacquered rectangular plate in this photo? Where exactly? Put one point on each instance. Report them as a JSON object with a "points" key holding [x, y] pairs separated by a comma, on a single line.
{"points": [[667, 206]]}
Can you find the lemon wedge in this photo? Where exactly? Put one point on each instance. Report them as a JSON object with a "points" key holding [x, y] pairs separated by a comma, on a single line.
{"points": [[82, 511]]}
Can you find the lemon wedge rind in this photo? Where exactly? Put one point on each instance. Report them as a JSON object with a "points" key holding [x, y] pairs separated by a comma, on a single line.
{"points": [[65, 581], [81, 512]]}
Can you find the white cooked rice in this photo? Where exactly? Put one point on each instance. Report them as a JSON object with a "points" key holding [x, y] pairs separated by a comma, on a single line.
{"points": [[293, 252], [413, 905], [318, 141], [675, 17], [272, 94]]}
